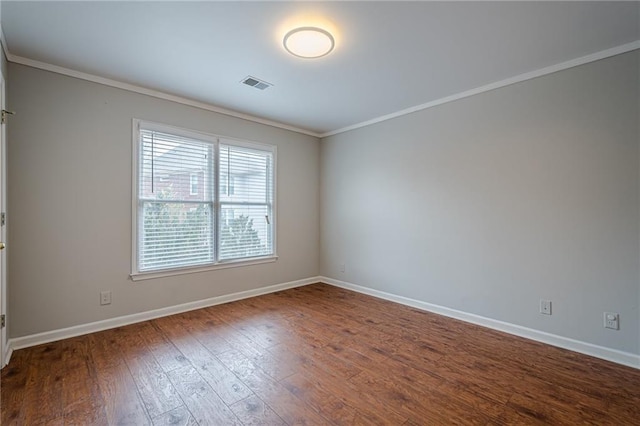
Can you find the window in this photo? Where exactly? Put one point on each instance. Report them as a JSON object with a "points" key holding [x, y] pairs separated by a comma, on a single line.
{"points": [[193, 184], [230, 220]]}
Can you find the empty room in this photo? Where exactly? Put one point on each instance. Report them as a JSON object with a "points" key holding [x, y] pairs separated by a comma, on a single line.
{"points": [[319, 213]]}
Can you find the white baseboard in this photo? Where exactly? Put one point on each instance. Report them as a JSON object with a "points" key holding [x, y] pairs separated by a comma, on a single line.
{"points": [[78, 330], [8, 350], [613, 355]]}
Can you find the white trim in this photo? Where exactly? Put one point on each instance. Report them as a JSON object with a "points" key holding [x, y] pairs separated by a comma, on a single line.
{"points": [[624, 48], [6, 347], [151, 92], [170, 129], [135, 159], [613, 355], [93, 327], [138, 276], [4, 303], [617, 50], [7, 354]]}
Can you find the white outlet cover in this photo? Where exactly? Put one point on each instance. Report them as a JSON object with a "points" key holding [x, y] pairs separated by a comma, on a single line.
{"points": [[105, 297], [612, 320], [545, 307]]}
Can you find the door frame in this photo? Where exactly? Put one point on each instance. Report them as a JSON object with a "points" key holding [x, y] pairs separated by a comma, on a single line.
{"points": [[4, 347]]}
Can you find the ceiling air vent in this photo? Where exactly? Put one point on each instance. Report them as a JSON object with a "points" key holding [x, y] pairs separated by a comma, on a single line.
{"points": [[255, 82]]}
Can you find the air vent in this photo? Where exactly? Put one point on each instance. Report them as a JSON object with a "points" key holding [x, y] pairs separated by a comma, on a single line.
{"points": [[255, 82]]}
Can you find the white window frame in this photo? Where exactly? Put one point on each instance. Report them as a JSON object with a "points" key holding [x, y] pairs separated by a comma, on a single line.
{"points": [[215, 140]]}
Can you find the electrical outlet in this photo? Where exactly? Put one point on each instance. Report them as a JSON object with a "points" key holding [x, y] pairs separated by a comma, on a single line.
{"points": [[545, 307], [105, 297], [611, 320], [343, 267]]}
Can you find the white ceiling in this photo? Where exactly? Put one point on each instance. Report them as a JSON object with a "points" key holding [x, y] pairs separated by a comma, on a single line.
{"points": [[389, 56]]}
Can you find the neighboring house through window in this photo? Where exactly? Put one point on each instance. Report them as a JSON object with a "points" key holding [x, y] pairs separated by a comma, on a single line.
{"points": [[200, 200], [193, 184]]}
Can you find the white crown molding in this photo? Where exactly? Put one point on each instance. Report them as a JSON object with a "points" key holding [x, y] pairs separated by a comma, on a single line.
{"points": [[624, 48], [150, 92], [93, 327], [613, 355]]}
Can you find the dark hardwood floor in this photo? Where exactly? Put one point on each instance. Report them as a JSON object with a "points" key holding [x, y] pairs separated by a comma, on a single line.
{"points": [[315, 355]]}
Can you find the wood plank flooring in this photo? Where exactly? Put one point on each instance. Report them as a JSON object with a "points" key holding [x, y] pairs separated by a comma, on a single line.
{"points": [[315, 355]]}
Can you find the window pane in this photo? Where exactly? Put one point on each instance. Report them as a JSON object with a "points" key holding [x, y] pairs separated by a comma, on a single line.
{"points": [[175, 234], [173, 167], [245, 231], [245, 174]]}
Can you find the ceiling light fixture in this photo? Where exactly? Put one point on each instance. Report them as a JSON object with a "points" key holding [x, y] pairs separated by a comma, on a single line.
{"points": [[309, 42]]}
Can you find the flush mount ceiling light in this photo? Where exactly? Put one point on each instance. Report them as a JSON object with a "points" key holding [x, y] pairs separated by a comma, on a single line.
{"points": [[309, 42]]}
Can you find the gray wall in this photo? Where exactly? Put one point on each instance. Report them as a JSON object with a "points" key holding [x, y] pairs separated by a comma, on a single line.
{"points": [[70, 203], [492, 202]]}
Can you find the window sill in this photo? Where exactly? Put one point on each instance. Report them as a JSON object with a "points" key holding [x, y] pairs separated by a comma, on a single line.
{"points": [[139, 276]]}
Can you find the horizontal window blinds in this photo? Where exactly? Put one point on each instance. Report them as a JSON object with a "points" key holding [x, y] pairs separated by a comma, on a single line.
{"points": [[175, 235], [245, 229], [176, 225]]}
